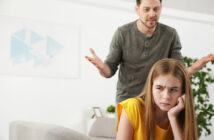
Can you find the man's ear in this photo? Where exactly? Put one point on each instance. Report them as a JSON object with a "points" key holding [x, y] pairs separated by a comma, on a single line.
{"points": [[137, 10]]}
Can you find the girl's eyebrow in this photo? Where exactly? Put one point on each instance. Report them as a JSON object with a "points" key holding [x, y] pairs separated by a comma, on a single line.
{"points": [[170, 87], [174, 87], [159, 86]]}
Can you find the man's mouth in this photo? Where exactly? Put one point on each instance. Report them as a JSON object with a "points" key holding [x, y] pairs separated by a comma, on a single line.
{"points": [[151, 20]]}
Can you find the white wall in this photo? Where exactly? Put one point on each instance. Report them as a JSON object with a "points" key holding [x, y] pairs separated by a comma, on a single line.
{"points": [[67, 101]]}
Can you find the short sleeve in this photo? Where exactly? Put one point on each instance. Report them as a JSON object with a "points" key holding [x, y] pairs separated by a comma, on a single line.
{"points": [[115, 53], [133, 111], [176, 47]]}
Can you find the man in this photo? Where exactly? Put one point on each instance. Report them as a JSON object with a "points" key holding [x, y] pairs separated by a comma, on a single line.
{"points": [[136, 46]]}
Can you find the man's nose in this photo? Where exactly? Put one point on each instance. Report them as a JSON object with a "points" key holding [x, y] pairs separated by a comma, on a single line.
{"points": [[152, 13]]}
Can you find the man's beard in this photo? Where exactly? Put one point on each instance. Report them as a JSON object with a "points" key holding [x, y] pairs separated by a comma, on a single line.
{"points": [[149, 27]]}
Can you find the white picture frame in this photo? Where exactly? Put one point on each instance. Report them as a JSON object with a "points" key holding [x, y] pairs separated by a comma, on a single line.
{"points": [[97, 112], [32, 47]]}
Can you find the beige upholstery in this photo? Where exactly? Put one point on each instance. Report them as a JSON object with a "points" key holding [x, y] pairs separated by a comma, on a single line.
{"points": [[104, 127], [22, 130]]}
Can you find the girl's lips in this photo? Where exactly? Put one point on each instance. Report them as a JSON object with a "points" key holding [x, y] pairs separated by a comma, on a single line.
{"points": [[165, 104]]}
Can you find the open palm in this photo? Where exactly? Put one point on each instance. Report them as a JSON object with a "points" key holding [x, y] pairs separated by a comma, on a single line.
{"points": [[95, 60]]}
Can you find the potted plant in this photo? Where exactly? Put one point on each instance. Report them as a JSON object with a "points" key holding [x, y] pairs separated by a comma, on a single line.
{"points": [[110, 111], [203, 108]]}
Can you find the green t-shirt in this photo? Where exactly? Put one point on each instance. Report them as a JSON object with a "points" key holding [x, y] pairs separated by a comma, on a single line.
{"points": [[135, 54]]}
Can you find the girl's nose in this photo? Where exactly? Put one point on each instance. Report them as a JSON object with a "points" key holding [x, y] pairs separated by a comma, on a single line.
{"points": [[165, 94]]}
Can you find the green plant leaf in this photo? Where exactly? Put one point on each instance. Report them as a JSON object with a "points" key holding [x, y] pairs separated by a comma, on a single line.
{"points": [[110, 109]]}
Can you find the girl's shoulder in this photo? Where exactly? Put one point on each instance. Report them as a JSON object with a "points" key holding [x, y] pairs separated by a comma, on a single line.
{"points": [[136, 102], [133, 108]]}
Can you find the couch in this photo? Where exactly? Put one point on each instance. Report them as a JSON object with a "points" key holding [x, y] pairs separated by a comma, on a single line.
{"points": [[101, 129]]}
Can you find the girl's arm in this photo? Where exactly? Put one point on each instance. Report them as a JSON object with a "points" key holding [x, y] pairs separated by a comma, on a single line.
{"points": [[173, 119], [125, 129], [176, 128]]}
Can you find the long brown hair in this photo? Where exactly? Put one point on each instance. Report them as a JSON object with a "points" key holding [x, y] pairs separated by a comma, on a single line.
{"points": [[187, 116]]}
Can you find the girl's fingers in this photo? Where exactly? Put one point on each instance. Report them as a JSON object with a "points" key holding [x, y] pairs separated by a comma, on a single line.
{"points": [[183, 96], [181, 102]]}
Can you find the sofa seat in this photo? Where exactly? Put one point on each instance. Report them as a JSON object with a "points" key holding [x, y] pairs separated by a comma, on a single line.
{"points": [[23, 130]]}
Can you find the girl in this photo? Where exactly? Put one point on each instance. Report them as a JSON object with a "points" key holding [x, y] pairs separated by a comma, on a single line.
{"points": [[164, 110]]}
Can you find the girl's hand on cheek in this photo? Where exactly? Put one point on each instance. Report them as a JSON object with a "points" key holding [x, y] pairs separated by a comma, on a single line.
{"points": [[174, 111]]}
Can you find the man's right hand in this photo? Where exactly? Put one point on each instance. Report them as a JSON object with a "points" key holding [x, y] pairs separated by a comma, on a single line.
{"points": [[97, 62]]}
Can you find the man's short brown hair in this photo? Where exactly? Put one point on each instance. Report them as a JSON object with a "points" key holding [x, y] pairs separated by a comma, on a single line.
{"points": [[139, 2]]}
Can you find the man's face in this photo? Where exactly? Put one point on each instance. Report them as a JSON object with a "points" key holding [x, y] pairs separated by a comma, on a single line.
{"points": [[149, 12]]}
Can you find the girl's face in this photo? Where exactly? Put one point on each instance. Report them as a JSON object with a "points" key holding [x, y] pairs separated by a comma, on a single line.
{"points": [[166, 90]]}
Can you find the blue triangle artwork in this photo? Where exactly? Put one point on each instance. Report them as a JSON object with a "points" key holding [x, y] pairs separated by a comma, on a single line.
{"points": [[21, 50]]}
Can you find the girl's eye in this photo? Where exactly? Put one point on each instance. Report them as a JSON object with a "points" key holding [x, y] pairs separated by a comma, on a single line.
{"points": [[173, 90], [159, 88]]}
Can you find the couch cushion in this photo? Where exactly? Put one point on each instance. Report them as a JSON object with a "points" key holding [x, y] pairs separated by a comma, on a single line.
{"points": [[99, 138], [20, 130]]}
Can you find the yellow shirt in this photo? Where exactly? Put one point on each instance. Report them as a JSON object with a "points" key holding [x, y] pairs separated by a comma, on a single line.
{"points": [[134, 111]]}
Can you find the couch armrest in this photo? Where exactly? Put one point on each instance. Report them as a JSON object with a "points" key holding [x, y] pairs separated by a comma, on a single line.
{"points": [[104, 127], [20, 130]]}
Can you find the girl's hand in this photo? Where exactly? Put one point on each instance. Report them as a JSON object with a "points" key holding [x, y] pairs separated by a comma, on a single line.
{"points": [[173, 112]]}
